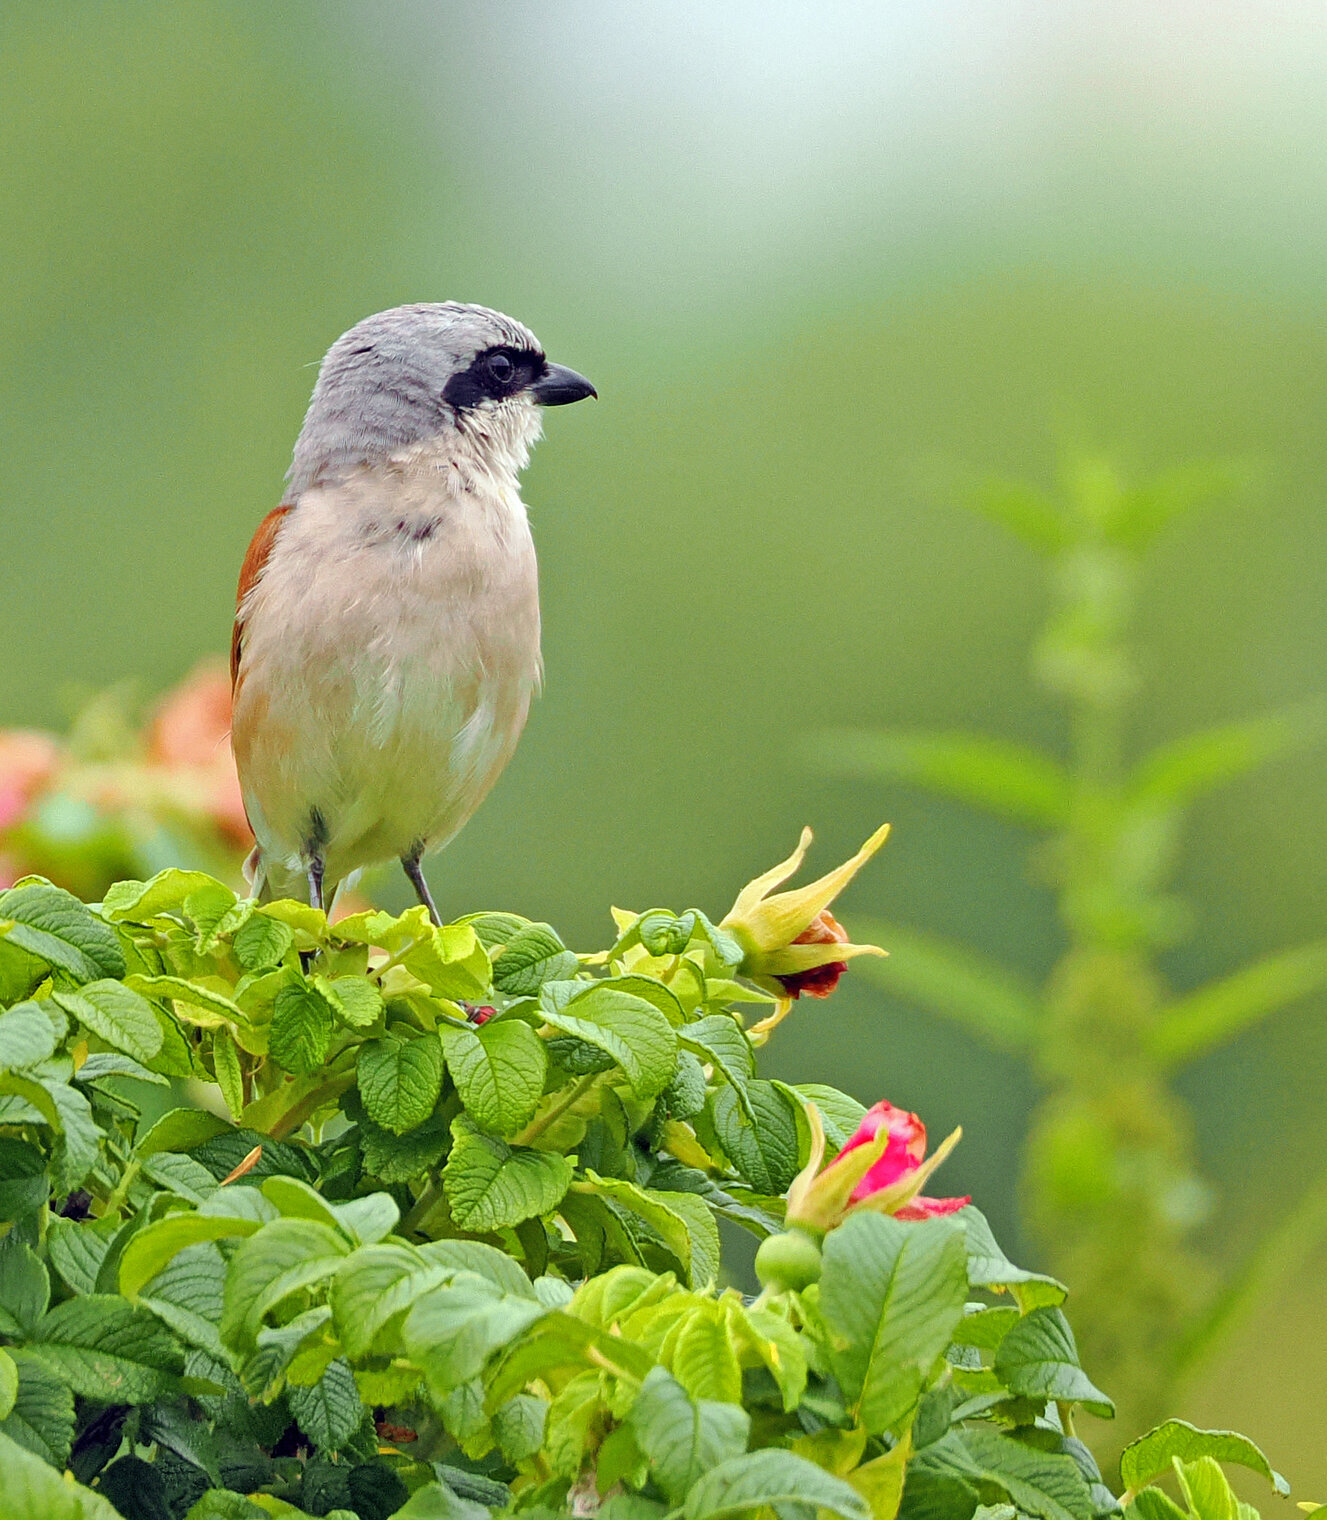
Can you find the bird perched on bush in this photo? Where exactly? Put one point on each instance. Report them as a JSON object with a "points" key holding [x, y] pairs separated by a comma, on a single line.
{"points": [[386, 642]]}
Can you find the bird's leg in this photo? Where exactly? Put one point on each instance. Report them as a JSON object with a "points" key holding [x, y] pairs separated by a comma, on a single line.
{"points": [[315, 844], [410, 865], [315, 881]]}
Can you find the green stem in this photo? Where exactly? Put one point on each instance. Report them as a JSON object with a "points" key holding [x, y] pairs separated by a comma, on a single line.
{"points": [[121, 1190], [537, 1126], [423, 1206]]}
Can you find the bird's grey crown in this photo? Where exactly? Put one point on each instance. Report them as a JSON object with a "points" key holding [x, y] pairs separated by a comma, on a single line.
{"points": [[380, 387]]}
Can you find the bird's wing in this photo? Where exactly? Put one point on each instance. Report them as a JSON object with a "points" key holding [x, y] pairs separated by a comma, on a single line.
{"points": [[260, 546]]}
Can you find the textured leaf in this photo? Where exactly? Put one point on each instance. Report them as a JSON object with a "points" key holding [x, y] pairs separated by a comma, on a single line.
{"points": [[301, 1029], [683, 1439], [262, 942], [701, 1355], [27, 1036], [1039, 1359], [773, 1477], [42, 1419], [193, 1002], [763, 1147], [25, 1288], [839, 1114], [1047, 1485], [33, 1490], [24, 1185], [8, 1384], [357, 1002], [451, 962], [51, 923], [1150, 1456], [108, 1350], [683, 1222], [229, 1072], [80, 1137], [637, 1036], [77, 1250], [330, 1412], [720, 1040], [399, 1079], [499, 1071], [189, 1294], [166, 892], [180, 1130], [532, 956], [284, 1256], [402, 1158], [989, 1267], [490, 1184], [453, 1330], [156, 1244], [111, 1063], [376, 1284], [891, 1294], [1206, 1489]]}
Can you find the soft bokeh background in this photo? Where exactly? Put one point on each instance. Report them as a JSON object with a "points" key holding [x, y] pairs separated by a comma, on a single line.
{"points": [[821, 260]]}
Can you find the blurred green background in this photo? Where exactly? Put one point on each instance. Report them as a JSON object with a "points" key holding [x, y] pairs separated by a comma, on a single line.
{"points": [[825, 263]]}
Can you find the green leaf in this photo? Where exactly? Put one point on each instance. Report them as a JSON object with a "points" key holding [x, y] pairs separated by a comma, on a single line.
{"points": [[519, 1427], [1215, 1013], [77, 1250], [1047, 1485], [1038, 1358], [110, 1063], [681, 1438], [490, 1184], [1149, 1457], [34, 1490], [24, 1184], [301, 1029], [891, 1294], [1020, 509], [193, 1002], [453, 1330], [720, 1039], [282, 1258], [166, 892], [451, 962], [8, 1384], [952, 981], [701, 1354], [989, 1267], [80, 1137], [42, 1419], [774, 1477], [27, 1036], [399, 1079], [357, 1001], [51, 923], [25, 1288], [402, 1158], [261, 942], [653, 991], [181, 1129], [108, 1350], [1152, 1504], [1010, 780], [376, 1284], [763, 1147], [499, 1070], [156, 1244], [683, 1221], [839, 1114], [532, 956], [637, 1036], [189, 1294], [330, 1412], [229, 1072], [1206, 1490]]}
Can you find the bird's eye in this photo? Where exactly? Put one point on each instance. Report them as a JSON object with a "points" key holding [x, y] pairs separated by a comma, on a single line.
{"points": [[501, 368]]}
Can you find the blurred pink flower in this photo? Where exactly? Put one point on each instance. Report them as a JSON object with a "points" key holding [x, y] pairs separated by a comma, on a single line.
{"points": [[904, 1153], [27, 762]]}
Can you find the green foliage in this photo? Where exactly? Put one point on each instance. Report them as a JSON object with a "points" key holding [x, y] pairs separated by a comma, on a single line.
{"points": [[1110, 1184], [410, 1263]]}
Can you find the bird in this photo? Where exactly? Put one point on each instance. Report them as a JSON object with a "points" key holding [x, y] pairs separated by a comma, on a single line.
{"points": [[386, 644]]}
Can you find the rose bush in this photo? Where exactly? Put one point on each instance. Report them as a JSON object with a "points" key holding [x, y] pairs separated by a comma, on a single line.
{"points": [[377, 1218]]}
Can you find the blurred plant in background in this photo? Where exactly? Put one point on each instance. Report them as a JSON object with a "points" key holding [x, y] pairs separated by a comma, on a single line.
{"points": [[1110, 1189], [119, 797]]}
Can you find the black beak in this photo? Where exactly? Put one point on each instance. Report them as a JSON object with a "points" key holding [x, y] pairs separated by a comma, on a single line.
{"points": [[559, 386]]}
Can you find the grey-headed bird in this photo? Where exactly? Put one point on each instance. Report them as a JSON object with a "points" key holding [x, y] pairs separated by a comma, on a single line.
{"points": [[386, 642]]}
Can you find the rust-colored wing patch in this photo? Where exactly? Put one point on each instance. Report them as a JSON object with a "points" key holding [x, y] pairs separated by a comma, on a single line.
{"points": [[259, 548]]}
